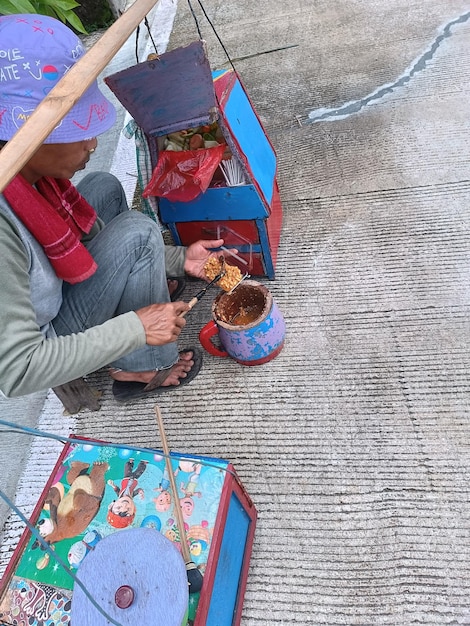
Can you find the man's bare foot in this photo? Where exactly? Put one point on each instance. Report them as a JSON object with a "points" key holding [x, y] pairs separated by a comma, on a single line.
{"points": [[178, 371]]}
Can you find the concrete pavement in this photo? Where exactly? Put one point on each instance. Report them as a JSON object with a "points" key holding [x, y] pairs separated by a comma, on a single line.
{"points": [[353, 443]]}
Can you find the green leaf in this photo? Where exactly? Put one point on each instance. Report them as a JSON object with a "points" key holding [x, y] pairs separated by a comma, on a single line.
{"points": [[61, 9], [44, 9], [72, 19], [19, 6], [76, 23], [63, 5]]}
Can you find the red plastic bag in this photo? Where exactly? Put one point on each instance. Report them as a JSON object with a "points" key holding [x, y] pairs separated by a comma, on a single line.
{"points": [[182, 176]]}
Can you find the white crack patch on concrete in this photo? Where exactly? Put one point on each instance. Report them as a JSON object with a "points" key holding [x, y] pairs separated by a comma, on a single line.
{"points": [[418, 65]]}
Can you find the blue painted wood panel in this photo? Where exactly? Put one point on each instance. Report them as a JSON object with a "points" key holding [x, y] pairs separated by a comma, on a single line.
{"points": [[224, 596], [169, 94], [217, 203], [248, 132]]}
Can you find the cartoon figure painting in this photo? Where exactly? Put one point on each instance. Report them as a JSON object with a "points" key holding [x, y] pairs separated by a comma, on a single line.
{"points": [[71, 512], [172, 532], [187, 507], [189, 488], [163, 500], [199, 537], [121, 512], [78, 551]]}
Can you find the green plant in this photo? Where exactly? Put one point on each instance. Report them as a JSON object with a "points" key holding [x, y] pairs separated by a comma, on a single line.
{"points": [[61, 9]]}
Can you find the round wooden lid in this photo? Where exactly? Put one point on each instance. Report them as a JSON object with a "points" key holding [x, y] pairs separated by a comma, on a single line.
{"points": [[137, 576]]}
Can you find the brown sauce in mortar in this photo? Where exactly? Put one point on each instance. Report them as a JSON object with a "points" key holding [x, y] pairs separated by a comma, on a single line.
{"points": [[241, 308]]}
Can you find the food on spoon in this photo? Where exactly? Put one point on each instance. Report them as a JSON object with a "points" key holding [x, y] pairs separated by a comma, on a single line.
{"points": [[232, 275]]}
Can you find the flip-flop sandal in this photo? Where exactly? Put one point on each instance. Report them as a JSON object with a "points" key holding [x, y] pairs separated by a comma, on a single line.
{"points": [[124, 391], [177, 292]]}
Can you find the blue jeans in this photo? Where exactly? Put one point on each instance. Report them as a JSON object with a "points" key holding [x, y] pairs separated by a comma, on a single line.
{"points": [[130, 254]]}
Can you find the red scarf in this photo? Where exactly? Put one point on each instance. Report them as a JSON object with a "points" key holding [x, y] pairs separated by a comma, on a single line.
{"points": [[57, 216]]}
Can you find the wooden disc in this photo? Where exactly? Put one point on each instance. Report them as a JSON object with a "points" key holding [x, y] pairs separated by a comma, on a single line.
{"points": [[137, 576]]}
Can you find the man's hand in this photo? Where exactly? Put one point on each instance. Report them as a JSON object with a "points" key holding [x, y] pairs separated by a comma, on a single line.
{"points": [[162, 322], [198, 254]]}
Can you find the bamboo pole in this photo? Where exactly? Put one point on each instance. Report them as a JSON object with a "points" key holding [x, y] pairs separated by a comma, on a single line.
{"points": [[195, 579], [68, 91]]}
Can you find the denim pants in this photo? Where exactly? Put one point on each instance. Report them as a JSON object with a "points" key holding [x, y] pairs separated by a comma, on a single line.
{"points": [[130, 254]]}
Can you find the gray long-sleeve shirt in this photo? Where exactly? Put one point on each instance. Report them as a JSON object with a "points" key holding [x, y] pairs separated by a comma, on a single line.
{"points": [[31, 357]]}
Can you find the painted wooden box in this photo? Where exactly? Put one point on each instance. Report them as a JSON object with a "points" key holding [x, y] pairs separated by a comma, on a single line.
{"points": [[178, 92], [219, 518]]}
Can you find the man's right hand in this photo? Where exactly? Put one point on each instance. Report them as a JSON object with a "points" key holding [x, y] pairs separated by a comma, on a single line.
{"points": [[163, 322]]}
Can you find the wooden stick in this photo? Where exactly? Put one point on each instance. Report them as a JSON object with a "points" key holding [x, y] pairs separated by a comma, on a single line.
{"points": [[195, 579], [171, 477], [68, 91]]}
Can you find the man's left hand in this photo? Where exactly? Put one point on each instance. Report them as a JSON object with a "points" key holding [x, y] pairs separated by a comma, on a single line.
{"points": [[198, 254]]}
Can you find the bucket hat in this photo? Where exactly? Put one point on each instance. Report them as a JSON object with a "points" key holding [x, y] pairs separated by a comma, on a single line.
{"points": [[35, 53]]}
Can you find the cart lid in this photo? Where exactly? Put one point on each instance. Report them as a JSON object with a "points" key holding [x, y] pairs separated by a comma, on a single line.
{"points": [[167, 94]]}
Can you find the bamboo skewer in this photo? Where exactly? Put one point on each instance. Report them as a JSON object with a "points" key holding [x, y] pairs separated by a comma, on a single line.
{"points": [[194, 575], [68, 91]]}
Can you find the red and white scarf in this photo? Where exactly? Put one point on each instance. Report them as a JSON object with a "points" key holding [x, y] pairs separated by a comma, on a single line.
{"points": [[57, 216]]}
